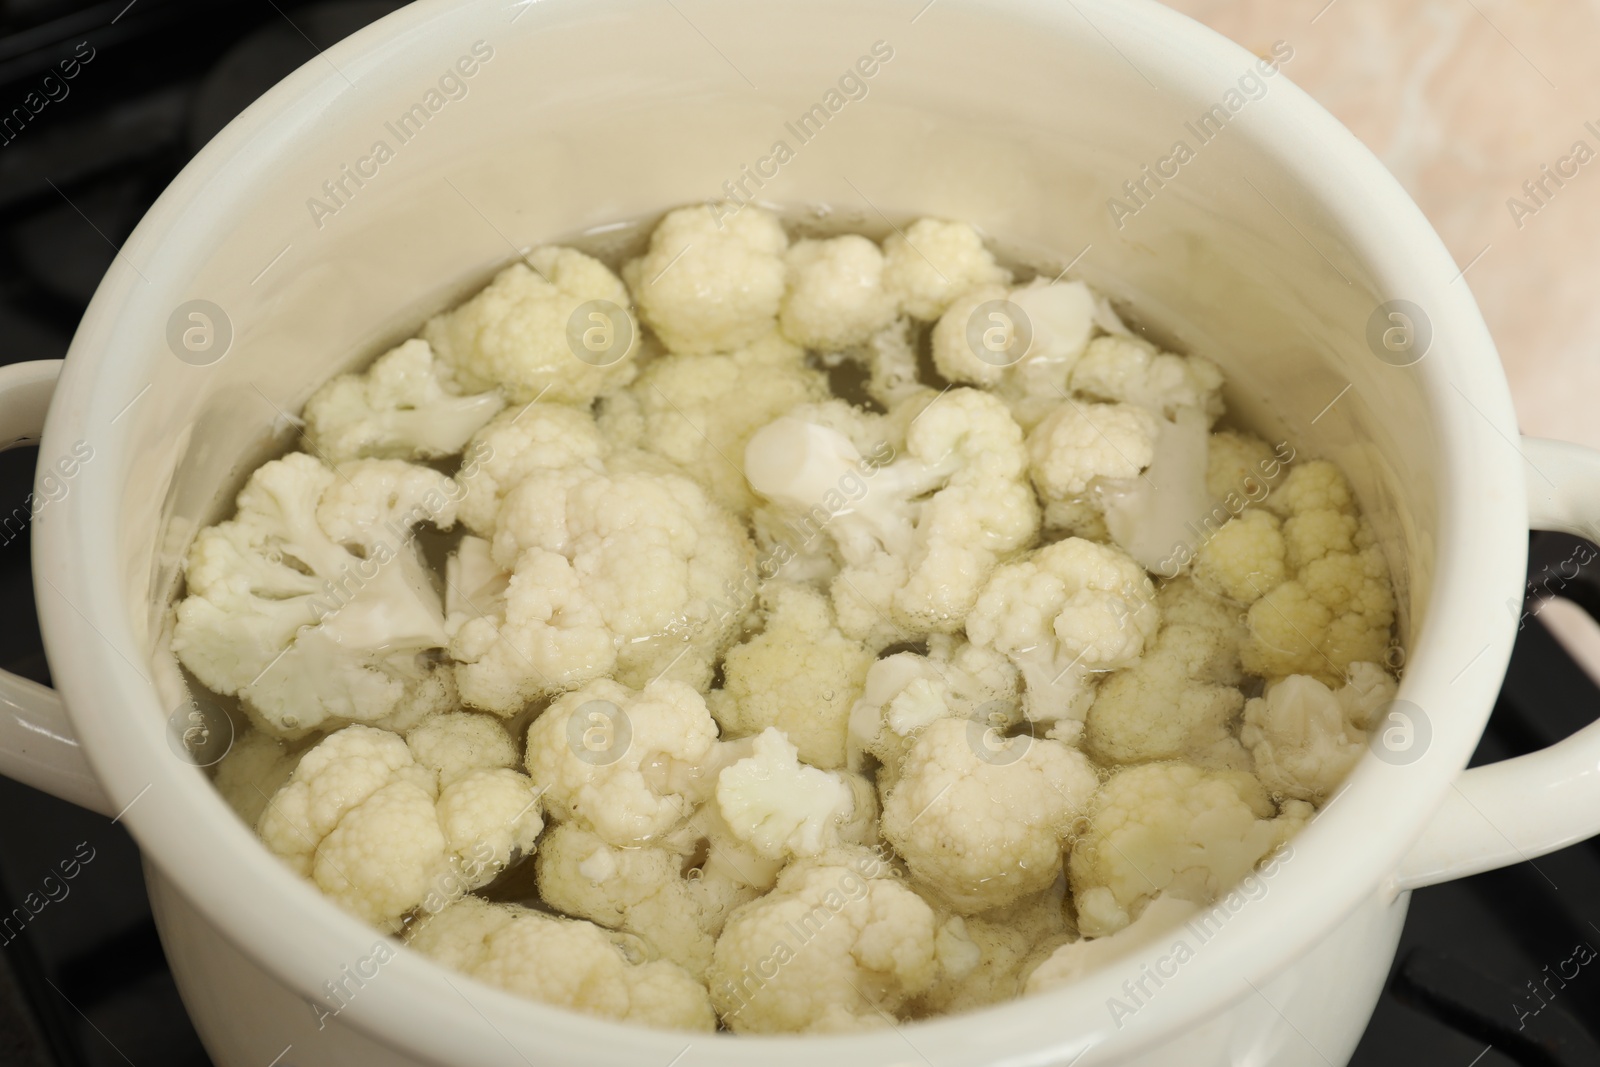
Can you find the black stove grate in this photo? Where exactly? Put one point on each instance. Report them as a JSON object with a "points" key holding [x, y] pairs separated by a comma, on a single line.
{"points": [[85, 984]]}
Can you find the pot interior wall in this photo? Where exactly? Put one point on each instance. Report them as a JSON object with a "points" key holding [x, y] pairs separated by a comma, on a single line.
{"points": [[583, 117]]}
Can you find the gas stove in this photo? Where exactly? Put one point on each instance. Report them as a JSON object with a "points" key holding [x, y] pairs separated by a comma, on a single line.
{"points": [[100, 105]]}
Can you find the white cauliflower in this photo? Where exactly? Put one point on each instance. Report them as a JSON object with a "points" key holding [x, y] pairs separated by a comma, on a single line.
{"points": [[1181, 700], [983, 959], [456, 742], [1079, 443], [710, 284], [525, 439], [381, 832], [984, 826], [312, 604], [563, 962], [641, 890], [1069, 610], [799, 674], [1173, 828], [1307, 737], [973, 348], [1130, 370], [399, 408], [837, 946], [1072, 961], [610, 574], [1053, 320], [522, 333], [932, 262], [1062, 318], [1243, 466], [1149, 515], [780, 807], [836, 296], [905, 692], [686, 549], [1152, 517], [1317, 585], [699, 411], [629, 765], [920, 540], [1244, 558]]}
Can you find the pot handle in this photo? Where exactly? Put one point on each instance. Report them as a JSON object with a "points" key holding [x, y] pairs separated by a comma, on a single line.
{"points": [[37, 746], [1522, 808]]}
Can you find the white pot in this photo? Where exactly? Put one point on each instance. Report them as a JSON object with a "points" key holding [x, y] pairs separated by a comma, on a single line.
{"points": [[1270, 251]]}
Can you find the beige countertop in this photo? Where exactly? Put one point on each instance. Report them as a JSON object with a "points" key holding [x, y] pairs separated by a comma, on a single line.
{"points": [[1464, 100]]}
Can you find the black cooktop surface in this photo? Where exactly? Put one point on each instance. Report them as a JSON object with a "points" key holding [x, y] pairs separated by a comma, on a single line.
{"points": [[83, 983]]}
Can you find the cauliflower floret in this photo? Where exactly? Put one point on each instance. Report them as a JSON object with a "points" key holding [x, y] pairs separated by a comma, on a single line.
{"points": [[368, 824], [1338, 611], [1316, 485], [644, 891], [400, 408], [312, 604], [542, 634], [1134, 371], [709, 283], [1336, 606], [1071, 609], [610, 574], [825, 487], [981, 824], [456, 742], [1171, 827], [700, 411], [836, 946], [1245, 558], [905, 692], [255, 767], [1180, 700], [1312, 535], [932, 262], [835, 296], [627, 764], [568, 963], [1243, 465], [1077, 958], [1165, 709], [517, 334], [984, 958], [518, 442], [1152, 516], [1079, 443], [1055, 323], [1306, 737], [799, 674], [780, 807], [954, 355], [910, 565], [1062, 316]]}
